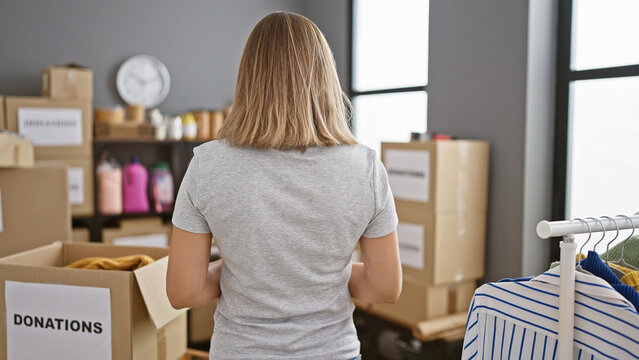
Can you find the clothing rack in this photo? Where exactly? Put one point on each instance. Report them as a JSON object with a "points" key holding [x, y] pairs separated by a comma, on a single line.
{"points": [[567, 229]]}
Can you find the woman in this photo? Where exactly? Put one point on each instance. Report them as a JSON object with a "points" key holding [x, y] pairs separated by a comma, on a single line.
{"points": [[286, 193]]}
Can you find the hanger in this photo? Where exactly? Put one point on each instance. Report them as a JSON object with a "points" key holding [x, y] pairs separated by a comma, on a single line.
{"points": [[603, 230], [621, 261], [578, 266], [589, 234], [615, 238], [616, 271]]}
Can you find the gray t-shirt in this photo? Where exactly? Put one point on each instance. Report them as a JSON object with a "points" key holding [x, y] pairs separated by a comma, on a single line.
{"points": [[286, 224]]}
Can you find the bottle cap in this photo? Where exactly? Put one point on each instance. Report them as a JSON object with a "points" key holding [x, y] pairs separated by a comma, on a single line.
{"points": [[161, 166]]}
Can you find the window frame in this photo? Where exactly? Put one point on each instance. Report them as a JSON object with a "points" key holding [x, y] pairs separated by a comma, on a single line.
{"points": [[565, 76], [352, 93]]}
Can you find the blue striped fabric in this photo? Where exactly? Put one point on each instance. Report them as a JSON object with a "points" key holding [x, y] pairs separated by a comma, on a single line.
{"points": [[518, 319]]}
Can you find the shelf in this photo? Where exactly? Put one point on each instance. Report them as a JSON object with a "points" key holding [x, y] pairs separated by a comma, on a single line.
{"points": [[144, 140], [105, 218]]}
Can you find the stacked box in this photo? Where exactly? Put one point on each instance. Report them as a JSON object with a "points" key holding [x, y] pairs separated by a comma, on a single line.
{"points": [[201, 322], [440, 191], [93, 314], [15, 152], [34, 208], [67, 82], [60, 124], [139, 232]]}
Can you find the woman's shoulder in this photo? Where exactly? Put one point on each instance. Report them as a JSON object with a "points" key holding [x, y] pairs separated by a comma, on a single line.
{"points": [[210, 148], [358, 152]]}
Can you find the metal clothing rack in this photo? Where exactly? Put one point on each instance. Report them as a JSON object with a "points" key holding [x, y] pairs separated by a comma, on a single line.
{"points": [[567, 229]]}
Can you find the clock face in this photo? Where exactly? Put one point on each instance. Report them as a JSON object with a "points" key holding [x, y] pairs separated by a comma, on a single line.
{"points": [[143, 80]]}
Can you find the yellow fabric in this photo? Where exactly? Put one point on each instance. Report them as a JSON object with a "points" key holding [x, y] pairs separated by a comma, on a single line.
{"points": [[631, 277], [130, 263], [621, 268]]}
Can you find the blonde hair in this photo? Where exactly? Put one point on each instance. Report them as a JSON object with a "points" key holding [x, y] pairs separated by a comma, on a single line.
{"points": [[288, 95]]}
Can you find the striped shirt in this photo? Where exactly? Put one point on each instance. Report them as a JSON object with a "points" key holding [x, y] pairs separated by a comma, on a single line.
{"points": [[519, 319]]}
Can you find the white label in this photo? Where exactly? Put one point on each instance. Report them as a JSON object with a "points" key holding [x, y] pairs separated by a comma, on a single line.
{"points": [[76, 186], [51, 321], [1, 219], [411, 244], [51, 127], [408, 173], [153, 240]]}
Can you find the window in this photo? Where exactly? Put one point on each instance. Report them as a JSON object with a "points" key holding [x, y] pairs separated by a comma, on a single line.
{"points": [[389, 69], [597, 123]]}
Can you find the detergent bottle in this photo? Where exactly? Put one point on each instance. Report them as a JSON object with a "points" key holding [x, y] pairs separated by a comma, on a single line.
{"points": [[162, 187], [135, 180], [109, 174]]}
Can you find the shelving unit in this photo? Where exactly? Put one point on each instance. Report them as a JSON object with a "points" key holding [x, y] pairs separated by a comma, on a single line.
{"points": [[177, 153]]}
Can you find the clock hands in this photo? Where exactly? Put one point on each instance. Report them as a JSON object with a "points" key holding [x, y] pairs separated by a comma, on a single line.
{"points": [[154, 79], [143, 81], [138, 78]]}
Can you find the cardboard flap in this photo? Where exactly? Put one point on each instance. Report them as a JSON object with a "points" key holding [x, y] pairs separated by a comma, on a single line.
{"points": [[152, 282]]}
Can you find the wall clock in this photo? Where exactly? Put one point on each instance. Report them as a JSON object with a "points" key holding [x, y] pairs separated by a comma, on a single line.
{"points": [[143, 80]]}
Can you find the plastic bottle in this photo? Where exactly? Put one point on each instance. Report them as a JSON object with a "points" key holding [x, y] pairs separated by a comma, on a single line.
{"points": [[109, 174], [162, 187], [189, 127], [174, 127], [135, 180]]}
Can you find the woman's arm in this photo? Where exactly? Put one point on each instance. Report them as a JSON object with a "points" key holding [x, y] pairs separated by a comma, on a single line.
{"points": [[190, 279], [379, 278]]}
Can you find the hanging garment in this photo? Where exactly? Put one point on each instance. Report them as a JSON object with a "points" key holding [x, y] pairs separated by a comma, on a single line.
{"points": [[519, 319], [630, 252], [554, 264], [630, 277], [597, 267]]}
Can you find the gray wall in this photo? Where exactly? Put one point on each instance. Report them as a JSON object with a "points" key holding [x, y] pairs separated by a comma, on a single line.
{"points": [[332, 17], [491, 67], [200, 42], [484, 60]]}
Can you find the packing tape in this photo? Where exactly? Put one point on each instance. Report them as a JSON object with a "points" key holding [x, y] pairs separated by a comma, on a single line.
{"points": [[70, 88], [452, 299], [462, 176]]}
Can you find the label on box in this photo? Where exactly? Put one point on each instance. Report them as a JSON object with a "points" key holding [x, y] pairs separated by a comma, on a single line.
{"points": [[76, 186], [411, 244], [51, 126], [408, 173], [152, 240], [52, 321]]}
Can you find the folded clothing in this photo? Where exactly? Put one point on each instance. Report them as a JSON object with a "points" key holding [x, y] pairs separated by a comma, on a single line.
{"points": [[130, 263]]}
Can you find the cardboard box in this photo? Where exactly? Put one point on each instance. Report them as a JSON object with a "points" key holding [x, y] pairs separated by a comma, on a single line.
{"points": [[201, 323], [81, 187], [142, 323], [57, 127], [81, 234], [2, 121], [67, 82], [443, 248], [419, 302], [34, 208], [15, 151], [126, 130], [438, 176], [139, 232]]}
